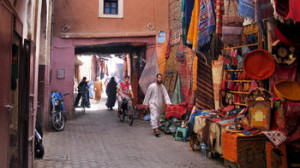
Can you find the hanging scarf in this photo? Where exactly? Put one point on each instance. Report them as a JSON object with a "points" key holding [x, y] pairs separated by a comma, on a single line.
{"points": [[193, 28], [247, 9], [187, 9], [207, 23], [219, 13], [281, 8]]}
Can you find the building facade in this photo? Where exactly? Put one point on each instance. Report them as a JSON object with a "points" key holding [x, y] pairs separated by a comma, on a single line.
{"points": [[25, 31], [102, 26]]}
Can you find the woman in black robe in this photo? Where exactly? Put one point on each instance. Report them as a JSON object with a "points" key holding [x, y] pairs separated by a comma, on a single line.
{"points": [[111, 91]]}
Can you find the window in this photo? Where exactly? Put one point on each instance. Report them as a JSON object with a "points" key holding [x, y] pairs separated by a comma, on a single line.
{"points": [[111, 8]]}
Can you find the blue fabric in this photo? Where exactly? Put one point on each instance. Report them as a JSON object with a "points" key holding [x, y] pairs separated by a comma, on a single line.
{"points": [[189, 6], [57, 95], [91, 87], [197, 113]]}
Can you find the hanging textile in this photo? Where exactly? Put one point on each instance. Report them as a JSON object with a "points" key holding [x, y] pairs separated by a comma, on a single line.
{"points": [[193, 28], [219, 13], [266, 9], [170, 74], [183, 72], [187, 14], [149, 73], [177, 95], [128, 65], [294, 12], [162, 57], [207, 22], [195, 66], [247, 9], [134, 82], [281, 8], [204, 93], [217, 72]]}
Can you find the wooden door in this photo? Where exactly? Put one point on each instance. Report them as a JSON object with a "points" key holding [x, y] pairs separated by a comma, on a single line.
{"points": [[5, 84]]}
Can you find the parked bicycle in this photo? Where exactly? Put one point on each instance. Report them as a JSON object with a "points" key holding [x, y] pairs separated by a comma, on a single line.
{"points": [[124, 112], [58, 117]]}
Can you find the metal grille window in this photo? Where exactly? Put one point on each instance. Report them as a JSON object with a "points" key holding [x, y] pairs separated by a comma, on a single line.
{"points": [[110, 6]]}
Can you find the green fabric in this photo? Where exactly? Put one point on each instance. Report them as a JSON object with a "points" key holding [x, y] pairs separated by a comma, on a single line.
{"points": [[177, 96]]}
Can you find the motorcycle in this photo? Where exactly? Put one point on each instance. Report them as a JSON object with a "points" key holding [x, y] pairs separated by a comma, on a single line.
{"points": [[38, 145], [58, 117]]}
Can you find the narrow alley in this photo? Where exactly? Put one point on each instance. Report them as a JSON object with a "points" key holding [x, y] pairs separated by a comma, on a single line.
{"points": [[97, 139]]}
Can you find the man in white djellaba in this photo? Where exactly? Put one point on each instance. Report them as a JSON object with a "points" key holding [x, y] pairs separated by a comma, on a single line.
{"points": [[155, 98]]}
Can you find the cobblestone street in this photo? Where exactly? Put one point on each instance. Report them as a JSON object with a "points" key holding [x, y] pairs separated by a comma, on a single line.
{"points": [[97, 139]]}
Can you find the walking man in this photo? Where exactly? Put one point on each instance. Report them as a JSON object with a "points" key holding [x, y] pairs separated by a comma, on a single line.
{"points": [[155, 98]]}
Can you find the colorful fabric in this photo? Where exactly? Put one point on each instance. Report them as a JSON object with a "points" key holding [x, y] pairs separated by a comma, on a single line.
{"points": [[217, 73], [149, 72], [170, 74], [247, 9], [293, 108], [188, 9], [207, 23], [276, 137], [195, 66], [294, 12], [162, 58], [193, 28], [219, 13], [176, 110], [177, 94], [266, 9], [281, 8], [280, 118]]}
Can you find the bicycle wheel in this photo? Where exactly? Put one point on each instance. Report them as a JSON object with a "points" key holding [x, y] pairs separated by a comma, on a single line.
{"points": [[122, 115]]}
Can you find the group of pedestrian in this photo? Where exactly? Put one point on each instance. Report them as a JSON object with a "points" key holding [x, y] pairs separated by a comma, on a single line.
{"points": [[155, 99]]}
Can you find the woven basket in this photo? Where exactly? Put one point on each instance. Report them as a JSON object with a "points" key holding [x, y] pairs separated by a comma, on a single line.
{"points": [[287, 89]]}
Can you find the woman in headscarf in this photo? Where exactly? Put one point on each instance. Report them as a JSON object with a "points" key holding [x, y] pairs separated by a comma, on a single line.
{"points": [[98, 89], [111, 91]]}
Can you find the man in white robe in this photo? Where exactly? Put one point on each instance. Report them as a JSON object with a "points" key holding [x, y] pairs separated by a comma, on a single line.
{"points": [[155, 98]]}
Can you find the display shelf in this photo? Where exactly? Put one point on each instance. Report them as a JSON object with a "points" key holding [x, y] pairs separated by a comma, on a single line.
{"points": [[241, 46], [238, 92], [235, 70], [240, 104], [242, 81]]}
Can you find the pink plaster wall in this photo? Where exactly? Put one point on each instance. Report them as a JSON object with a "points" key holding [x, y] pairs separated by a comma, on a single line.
{"points": [[62, 57], [82, 17]]}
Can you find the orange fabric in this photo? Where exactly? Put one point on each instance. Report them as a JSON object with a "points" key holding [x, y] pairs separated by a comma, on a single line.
{"points": [[259, 64], [162, 57], [195, 65], [229, 146], [98, 90], [192, 36]]}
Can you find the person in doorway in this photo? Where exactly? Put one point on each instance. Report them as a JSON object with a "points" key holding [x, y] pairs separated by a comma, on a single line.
{"points": [[111, 91], [83, 91], [124, 91], [155, 98], [98, 89]]}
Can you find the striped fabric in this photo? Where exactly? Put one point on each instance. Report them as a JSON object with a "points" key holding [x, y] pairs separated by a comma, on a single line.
{"points": [[195, 66], [204, 93], [217, 72], [219, 13]]}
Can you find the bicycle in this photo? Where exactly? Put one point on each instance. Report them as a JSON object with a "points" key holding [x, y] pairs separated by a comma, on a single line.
{"points": [[123, 112]]}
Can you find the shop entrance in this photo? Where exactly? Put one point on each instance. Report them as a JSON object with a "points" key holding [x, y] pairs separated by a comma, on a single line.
{"points": [[100, 63]]}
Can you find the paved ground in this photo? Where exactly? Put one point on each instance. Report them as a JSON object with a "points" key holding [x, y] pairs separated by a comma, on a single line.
{"points": [[99, 140]]}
